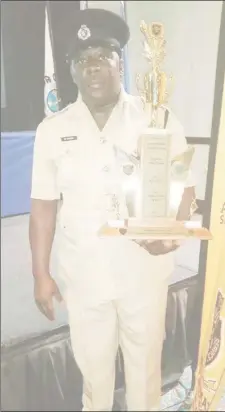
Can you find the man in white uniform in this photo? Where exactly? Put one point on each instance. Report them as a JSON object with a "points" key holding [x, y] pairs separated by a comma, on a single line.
{"points": [[115, 289]]}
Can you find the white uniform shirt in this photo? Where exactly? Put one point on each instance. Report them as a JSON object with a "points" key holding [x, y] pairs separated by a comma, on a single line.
{"points": [[70, 159]]}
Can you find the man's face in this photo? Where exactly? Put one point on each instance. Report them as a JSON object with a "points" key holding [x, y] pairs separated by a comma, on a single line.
{"points": [[97, 75]]}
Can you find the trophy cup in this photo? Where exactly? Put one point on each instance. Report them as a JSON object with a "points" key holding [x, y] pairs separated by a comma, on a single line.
{"points": [[160, 178]]}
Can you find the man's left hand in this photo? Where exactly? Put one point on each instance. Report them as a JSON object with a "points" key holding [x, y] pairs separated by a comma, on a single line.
{"points": [[158, 247]]}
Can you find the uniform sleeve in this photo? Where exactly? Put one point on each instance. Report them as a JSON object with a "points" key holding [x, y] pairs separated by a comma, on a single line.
{"points": [[44, 185], [179, 144]]}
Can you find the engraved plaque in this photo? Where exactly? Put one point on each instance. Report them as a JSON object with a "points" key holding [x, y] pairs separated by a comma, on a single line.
{"points": [[155, 166]]}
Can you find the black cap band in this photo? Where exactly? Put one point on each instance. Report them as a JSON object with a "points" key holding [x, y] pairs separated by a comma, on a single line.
{"points": [[111, 44]]}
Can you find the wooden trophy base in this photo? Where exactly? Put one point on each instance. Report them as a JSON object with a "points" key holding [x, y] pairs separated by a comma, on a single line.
{"points": [[155, 229]]}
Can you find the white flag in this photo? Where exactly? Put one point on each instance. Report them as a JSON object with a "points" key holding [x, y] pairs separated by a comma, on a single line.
{"points": [[83, 5], [50, 91]]}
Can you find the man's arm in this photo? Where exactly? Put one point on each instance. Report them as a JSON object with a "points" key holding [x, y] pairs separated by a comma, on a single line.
{"points": [[41, 234], [179, 145], [44, 201], [187, 204]]}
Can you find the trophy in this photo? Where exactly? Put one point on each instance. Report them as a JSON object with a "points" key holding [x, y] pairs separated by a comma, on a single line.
{"points": [[160, 179]]}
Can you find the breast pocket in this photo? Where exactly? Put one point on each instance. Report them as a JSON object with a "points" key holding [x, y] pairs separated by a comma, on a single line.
{"points": [[78, 169], [67, 165]]}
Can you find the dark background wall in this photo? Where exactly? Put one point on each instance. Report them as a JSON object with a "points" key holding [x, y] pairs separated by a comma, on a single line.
{"points": [[61, 15], [23, 34], [23, 41]]}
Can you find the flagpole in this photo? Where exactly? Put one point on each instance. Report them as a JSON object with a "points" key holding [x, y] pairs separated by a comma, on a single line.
{"points": [[83, 5]]}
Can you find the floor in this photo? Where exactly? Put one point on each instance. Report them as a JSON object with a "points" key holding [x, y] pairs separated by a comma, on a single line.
{"points": [[177, 398], [174, 400]]}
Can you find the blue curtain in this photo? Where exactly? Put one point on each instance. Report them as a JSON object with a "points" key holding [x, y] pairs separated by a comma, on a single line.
{"points": [[16, 171]]}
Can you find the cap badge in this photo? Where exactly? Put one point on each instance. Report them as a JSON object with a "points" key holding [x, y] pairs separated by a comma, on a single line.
{"points": [[84, 33]]}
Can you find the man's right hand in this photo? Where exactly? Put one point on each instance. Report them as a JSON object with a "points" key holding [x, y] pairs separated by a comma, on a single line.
{"points": [[45, 288]]}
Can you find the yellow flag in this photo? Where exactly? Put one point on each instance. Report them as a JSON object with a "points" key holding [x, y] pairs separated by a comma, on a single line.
{"points": [[210, 374]]}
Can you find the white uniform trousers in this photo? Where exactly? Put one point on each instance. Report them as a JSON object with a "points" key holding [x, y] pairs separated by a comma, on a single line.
{"points": [[136, 323]]}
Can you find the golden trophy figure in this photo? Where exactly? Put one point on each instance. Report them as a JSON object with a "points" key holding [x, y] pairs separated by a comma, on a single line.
{"points": [[161, 178]]}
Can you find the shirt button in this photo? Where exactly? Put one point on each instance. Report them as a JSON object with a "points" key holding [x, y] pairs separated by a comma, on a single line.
{"points": [[128, 169], [105, 169], [102, 139]]}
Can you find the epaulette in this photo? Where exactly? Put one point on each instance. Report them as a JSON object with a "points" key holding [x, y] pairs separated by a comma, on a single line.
{"points": [[53, 115]]}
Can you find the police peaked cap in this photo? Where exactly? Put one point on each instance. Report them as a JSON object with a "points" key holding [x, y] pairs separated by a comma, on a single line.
{"points": [[97, 27]]}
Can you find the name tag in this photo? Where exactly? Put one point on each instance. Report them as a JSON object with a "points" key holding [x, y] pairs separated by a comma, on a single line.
{"points": [[68, 138]]}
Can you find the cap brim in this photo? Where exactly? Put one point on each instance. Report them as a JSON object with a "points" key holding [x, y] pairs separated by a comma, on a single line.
{"points": [[110, 44]]}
